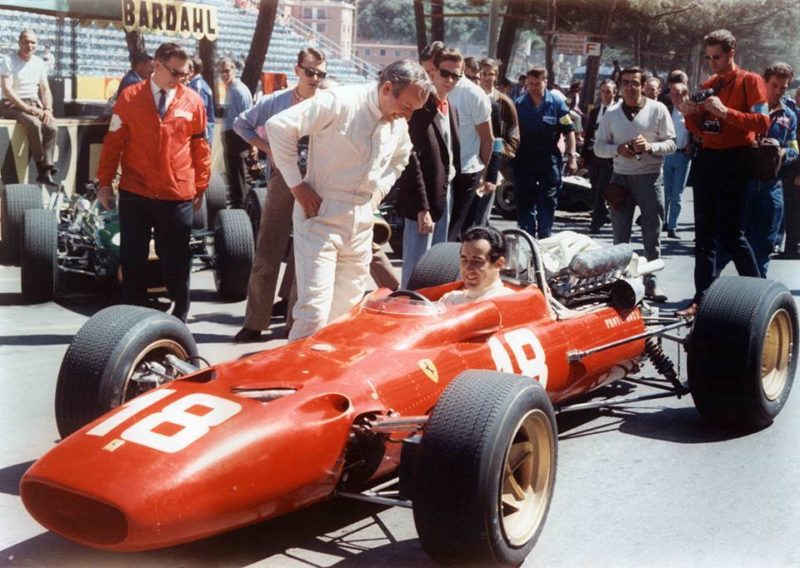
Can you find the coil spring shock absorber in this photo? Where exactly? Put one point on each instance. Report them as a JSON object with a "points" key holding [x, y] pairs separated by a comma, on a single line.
{"points": [[663, 363]]}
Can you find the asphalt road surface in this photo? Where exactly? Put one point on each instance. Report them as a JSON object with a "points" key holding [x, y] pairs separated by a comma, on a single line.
{"points": [[650, 484]]}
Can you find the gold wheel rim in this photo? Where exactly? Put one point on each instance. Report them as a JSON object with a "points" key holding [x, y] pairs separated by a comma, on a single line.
{"points": [[526, 481], [776, 355], [156, 351]]}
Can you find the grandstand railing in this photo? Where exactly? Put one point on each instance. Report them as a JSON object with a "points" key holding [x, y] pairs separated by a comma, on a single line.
{"points": [[366, 68]]}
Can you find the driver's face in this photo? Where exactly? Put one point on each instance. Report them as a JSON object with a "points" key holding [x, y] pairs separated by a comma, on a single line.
{"points": [[477, 270]]}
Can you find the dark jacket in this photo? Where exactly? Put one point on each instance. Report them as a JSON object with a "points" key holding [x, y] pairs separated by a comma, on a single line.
{"points": [[423, 184]]}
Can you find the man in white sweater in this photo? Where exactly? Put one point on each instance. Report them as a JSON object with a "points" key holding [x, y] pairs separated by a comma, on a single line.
{"points": [[637, 134], [358, 145]]}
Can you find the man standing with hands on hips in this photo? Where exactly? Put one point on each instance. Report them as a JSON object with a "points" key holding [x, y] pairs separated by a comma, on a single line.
{"points": [[728, 113], [358, 146], [158, 129]]}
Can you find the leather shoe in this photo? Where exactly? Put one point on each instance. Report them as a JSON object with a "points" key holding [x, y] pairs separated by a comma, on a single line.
{"points": [[653, 292], [672, 234], [247, 335], [46, 177], [687, 312], [788, 255], [279, 309]]}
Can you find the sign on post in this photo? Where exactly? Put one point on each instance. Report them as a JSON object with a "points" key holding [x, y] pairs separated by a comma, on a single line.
{"points": [[571, 44]]}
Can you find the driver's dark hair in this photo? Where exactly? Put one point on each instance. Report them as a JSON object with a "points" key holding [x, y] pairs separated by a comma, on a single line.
{"points": [[495, 238]]}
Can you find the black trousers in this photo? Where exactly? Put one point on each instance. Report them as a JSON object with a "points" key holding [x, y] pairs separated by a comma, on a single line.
{"points": [[469, 208], [720, 190], [600, 170], [170, 224], [234, 164]]}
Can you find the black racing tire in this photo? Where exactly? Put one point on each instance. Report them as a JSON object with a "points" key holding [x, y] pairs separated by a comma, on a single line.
{"points": [[200, 221], [97, 371], [441, 264], [505, 202], [234, 248], [485, 470], [16, 198], [254, 203], [742, 352], [216, 197], [39, 258]]}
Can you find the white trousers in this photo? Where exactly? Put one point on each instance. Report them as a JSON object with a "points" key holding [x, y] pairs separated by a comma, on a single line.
{"points": [[332, 252]]}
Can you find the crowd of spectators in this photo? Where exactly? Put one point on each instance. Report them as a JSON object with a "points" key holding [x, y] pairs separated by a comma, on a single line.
{"points": [[431, 131]]}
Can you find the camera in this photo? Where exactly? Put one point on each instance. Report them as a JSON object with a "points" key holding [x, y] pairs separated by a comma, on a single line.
{"points": [[701, 96]]}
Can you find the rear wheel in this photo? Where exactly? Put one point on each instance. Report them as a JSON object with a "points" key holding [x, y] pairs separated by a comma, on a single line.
{"points": [[216, 197], [742, 351], [234, 248], [39, 260], [485, 470], [15, 200], [441, 264], [505, 202], [108, 356], [254, 205]]}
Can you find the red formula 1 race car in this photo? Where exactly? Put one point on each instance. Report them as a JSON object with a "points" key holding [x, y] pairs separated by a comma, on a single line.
{"points": [[457, 402]]}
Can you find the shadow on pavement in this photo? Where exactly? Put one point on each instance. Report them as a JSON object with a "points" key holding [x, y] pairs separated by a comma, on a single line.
{"points": [[10, 476]]}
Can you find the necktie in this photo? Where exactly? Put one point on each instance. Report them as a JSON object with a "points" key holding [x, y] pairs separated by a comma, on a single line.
{"points": [[604, 111], [162, 103]]}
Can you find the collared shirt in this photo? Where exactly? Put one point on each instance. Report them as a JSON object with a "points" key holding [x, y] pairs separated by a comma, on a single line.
{"points": [[783, 128], [745, 96], [540, 127], [202, 88], [157, 94], [474, 107], [682, 136], [252, 123], [456, 297], [352, 151], [237, 100]]}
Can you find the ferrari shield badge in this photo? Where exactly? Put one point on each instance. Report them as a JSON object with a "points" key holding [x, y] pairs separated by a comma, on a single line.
{"points": [[429, 369]]}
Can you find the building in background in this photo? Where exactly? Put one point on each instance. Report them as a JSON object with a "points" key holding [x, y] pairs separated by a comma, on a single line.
{"points": [[380, 55], [334, 19]]}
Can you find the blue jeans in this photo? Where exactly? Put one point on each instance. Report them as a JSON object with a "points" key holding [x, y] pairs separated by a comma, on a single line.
{"points": [[763, 214], [415, 243], [676, 172], [536, 193]]}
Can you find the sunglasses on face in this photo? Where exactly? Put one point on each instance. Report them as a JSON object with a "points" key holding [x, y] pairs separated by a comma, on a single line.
{"points": [[450, 75], [313, 73], [177, 73]]}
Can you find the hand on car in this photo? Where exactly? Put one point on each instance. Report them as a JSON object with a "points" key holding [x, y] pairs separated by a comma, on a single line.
{"points": [[105, 195], [308, 199], [572, 165]]}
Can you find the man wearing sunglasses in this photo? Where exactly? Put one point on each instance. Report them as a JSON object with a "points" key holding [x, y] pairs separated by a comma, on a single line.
{"points": [[728, 122], [424, 196], [276, 219], [158, 131], [358, 145], [237, 100]]}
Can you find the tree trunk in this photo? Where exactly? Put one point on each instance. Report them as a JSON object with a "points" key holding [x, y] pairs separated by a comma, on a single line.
{"points": [[516, 11], [593, 62], [135, 41], [437, 20], [552, 10], [419, 21], [207, 50], [259, 45]]}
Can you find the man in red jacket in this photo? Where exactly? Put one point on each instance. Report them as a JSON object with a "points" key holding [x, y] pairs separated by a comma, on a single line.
{"points": [[728, 114], [158, 130]]}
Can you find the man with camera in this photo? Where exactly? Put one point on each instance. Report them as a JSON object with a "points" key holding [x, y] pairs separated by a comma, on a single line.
{"points": [[637, 134], [728, 113]]}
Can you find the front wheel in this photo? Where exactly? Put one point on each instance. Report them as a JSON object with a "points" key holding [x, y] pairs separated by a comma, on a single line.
{"points": [[485, 471], [742, 351], [105, 365]]}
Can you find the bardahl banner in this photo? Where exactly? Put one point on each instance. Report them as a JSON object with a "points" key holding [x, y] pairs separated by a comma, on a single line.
{"points": [[170, 17]]}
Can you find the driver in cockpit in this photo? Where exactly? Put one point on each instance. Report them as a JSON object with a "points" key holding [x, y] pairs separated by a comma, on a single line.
{"points": [[483, 255]]}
